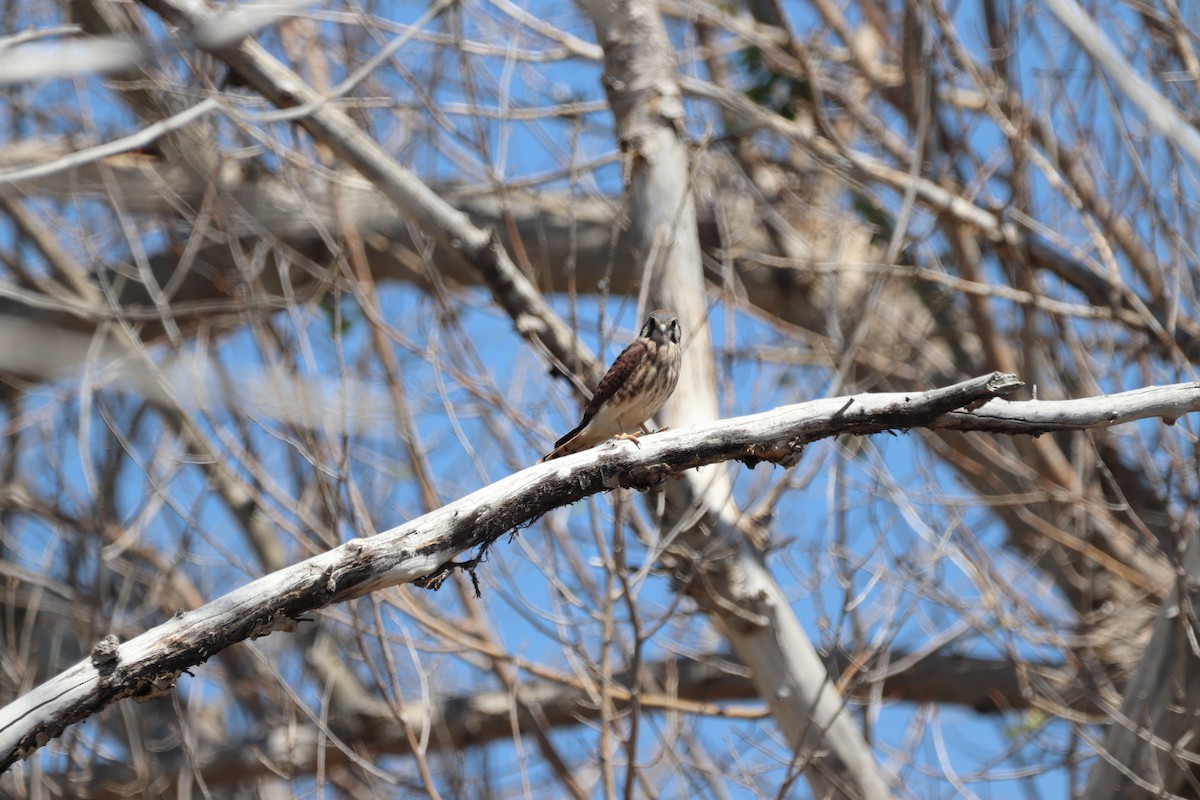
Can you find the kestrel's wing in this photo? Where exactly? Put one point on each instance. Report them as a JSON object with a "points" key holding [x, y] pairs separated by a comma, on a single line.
{"points": [[610, 384]]}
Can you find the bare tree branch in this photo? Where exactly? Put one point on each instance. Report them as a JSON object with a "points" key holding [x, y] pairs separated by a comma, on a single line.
{"points": [[424, 550], [434, 216], [1160, 113], [641, 84], [226, 349], [1145, 752], [703, 685]]}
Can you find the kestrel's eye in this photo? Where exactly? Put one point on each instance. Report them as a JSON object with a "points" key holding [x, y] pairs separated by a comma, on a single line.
{"points": [[675, 331]]}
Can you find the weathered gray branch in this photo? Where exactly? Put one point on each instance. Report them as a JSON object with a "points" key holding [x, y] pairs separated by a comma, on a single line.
{"points": [[424, 549], [1160, 113], [1150, 749], [701, 686], [435, 217], [640, 80]]}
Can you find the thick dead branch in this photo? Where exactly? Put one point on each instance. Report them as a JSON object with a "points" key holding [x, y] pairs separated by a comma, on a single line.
{"points": [[1158, 111], [443, 223], [1149, 750], [644, 93], [425, 548], [706, 686]]}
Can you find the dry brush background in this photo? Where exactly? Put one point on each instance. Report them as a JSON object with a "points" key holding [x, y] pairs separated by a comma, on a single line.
{"points": [[275, 277]]}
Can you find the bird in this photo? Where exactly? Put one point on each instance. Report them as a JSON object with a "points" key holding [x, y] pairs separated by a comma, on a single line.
{"points": [[635, 387]]}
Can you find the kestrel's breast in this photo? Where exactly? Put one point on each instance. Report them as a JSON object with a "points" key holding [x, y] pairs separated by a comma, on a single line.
{"points": [[647, 387]]}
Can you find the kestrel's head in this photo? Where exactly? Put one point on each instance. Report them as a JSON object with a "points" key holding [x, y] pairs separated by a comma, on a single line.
{"points": [[661, 326]]}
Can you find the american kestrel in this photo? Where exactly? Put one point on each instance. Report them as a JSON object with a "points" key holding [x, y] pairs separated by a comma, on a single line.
{"points": [[634, 388]]}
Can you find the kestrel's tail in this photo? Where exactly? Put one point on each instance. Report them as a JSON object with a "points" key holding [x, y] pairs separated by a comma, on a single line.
{"points": [[565, 446]]}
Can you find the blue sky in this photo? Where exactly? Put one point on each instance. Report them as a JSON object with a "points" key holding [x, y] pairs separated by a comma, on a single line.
{"points": [[859, 499]]}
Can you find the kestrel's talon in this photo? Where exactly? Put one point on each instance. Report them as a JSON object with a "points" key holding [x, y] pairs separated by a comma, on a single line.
{"points": [[634, 388], [628, 437]]}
